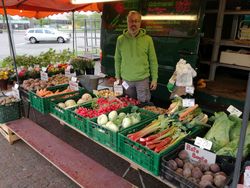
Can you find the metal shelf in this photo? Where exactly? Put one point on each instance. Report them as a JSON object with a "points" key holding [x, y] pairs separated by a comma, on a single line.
{"points": [[234, 43]]}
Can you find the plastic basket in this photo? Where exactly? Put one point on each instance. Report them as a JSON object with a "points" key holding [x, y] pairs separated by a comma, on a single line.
{"points": [[62, 113], [10, 112], [43, 104], [108, 137], [78, 121], [140, 154], [166, 173]]}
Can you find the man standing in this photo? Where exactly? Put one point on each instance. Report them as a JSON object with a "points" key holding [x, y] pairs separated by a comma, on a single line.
{"points": [[135, 60]]}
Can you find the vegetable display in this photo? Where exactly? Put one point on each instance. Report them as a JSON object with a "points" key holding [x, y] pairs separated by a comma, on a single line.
{"points": [[159, 134], [225, 133], [8, 100], [35, 84], [200, 173], [100, 106], [47, 93], [115, 122], [86, 97]]}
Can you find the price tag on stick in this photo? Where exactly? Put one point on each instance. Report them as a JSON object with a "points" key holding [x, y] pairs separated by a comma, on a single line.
{"points": [[44, 76], [203, 143], [15, 91], [232, 110], [73, 85], [188, 102]]}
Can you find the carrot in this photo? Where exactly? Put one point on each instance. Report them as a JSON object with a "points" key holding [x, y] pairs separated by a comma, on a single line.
{"points": [[187, 111]]}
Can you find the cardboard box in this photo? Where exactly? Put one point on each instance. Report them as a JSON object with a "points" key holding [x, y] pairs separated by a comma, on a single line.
{"points": [[235, 58]]}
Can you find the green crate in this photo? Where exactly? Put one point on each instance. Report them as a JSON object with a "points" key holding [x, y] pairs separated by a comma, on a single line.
{"points": [[10, 112], [62, 113], [108, 137], [43, 104], [140, 154], [77, 121]]}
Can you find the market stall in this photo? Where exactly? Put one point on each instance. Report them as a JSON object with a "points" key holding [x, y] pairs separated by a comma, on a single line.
{"points": [[159, 141]]}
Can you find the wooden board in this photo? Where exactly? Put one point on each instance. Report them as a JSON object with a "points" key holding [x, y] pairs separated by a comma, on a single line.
{"points": [[81, 169], [9, 135]]}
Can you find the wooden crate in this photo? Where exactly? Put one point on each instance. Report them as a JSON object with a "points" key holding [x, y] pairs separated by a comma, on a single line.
{"points": [[6, 132]]}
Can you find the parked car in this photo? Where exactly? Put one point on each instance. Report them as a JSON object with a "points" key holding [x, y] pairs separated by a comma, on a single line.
{"points": [[1, 31], [35, 35]]}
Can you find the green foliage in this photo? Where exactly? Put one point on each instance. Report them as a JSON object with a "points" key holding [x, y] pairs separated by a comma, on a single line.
{"points": [[44, 59]]}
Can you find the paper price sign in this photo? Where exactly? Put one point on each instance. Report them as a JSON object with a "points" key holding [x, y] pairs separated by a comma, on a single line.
{"points": [[74, 79], [15, 92], [118, 89], [73, 85], [125, 85], [232, 110], [44, 76], [197, 154], [188, 102], [67, 73], [203, 143], [44, 69], [190, 90]]}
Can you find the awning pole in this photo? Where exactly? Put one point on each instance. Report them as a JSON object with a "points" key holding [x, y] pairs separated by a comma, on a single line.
{"points": [[73, 22], [12, 51], [242, 136]]}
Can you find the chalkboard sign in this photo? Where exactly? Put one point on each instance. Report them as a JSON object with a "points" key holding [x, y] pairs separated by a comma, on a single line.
{"points": [[176, 24]]}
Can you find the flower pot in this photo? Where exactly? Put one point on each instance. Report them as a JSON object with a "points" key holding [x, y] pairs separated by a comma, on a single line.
{"points": [[90, 71], [3, 84]]}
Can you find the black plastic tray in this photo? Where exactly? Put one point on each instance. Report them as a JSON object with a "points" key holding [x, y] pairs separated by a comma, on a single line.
{"points": [[226, 164]]}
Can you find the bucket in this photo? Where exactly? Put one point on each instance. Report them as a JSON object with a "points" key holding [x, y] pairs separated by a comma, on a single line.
{"points": [[89, 82]]}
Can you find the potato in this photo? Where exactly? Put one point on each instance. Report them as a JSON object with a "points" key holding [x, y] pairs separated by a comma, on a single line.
{"points": [[188, 165], [197, 173], [179, 171], [203, 166], [220, 173], [209, 173], [179, 162], [220, 180], [207, 177], [205, 184], [183, 155], [172, 164], [214, 168], [187, 172]]}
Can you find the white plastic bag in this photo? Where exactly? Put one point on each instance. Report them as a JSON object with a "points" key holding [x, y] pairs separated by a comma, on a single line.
{"points": [[184, 73]]}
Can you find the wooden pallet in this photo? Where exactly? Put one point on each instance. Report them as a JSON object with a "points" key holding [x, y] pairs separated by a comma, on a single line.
{"points": [[8, 134]]}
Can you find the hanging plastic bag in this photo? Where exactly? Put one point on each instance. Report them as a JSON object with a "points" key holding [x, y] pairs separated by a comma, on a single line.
{"points": [[184, 74], [182, 77]]}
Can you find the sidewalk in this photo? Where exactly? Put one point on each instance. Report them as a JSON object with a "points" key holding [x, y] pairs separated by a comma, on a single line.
{"points": [[20, 167]]}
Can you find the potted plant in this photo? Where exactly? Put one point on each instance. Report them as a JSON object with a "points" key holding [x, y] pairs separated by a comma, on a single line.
{"points": [[5, 74], [78, 64], [90, 66]]}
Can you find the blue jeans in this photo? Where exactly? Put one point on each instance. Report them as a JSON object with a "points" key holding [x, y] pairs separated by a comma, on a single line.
{"points": [[138, 90]]}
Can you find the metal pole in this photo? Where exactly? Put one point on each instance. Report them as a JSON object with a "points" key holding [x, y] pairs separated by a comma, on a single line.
{"points": [[242, 136], [217, 38], [73, 22], [11, 42]]}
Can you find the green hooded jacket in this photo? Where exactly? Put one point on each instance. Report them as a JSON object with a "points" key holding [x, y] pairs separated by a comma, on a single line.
{"points": [[135, 57]]}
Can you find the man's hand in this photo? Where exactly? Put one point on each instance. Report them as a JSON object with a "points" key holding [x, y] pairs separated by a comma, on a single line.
{"points": [[119, 81], [153, 85]]}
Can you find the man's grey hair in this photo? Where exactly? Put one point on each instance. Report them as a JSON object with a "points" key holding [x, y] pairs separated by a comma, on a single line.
{"points": [[133, 12]]}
